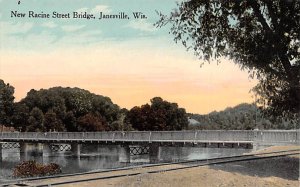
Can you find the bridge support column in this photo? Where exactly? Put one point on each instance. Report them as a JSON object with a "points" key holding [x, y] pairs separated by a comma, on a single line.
{"points": [[154, 152], [0, 152], [124, 155], [75, 148], [23, 151], [46, 149]]}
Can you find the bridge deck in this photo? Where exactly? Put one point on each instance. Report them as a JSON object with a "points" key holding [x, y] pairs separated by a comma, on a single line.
{"points": [[206, 136]]}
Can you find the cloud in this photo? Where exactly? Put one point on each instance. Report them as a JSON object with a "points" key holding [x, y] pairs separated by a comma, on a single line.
{"points": [[72, 28], [18, 28], [141, 25], [99, 8], [84, 9], [87, 37], [50, 24]]}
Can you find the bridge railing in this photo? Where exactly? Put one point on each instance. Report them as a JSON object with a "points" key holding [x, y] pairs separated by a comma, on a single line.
{"points": [[271, 136]]}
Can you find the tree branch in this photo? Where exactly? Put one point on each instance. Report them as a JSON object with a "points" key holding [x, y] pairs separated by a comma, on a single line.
{"points": [[260, 17], [272, 14], [281, 51]]}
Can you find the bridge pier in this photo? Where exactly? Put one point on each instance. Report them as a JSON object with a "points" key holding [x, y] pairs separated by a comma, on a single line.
{"points": [[124, 154], [0, 152], [46, 148], [23, 151], [154, 152], [33, 149], [75, 149]]}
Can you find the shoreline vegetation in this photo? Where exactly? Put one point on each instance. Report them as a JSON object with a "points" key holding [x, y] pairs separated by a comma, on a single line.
{"points": [[32, 168]]}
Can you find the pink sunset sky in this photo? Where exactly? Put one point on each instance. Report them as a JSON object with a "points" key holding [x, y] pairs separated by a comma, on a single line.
{"points": [[131, 77], [130, 61]]}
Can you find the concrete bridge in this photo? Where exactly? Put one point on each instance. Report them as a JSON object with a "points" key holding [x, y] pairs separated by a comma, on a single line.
{"points": [[152, 140]]}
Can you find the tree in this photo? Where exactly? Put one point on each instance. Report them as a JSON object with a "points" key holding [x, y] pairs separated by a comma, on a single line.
{"points": [[36, 121], [70, 122], [241, 117], [62, 107], [160, 115], [91, 122], [20, 116], [6, 103], [262, 36], [52, 122]]}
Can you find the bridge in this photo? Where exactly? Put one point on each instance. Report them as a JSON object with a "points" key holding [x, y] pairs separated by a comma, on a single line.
{"points": [[152, 140]]}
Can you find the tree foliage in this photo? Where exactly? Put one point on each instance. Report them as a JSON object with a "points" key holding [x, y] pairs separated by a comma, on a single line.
{"points": [[6, 103], [92, 122], [241, 117], [65, 109], [36, 121], [262, 36], [160, 115]]}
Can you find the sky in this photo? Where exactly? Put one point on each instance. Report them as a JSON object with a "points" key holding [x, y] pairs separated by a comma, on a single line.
{"points": [[129, 60]]}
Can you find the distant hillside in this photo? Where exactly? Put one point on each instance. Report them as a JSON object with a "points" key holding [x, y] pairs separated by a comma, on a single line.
{"points": [[241, 117]]}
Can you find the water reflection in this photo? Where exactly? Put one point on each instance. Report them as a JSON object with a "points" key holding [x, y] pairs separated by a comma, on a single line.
{"points": [[94, 157]]}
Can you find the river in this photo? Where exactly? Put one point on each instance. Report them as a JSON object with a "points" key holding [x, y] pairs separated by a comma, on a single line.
{"points": [[106, 157]]}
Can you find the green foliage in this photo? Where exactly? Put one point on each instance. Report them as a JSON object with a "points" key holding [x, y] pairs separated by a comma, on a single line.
{"points": [[36, 121], [20, 117], [52, 122], [65, 109], [160, 115], [261, 36], [91, 122], [241, 117], [6, 103]]}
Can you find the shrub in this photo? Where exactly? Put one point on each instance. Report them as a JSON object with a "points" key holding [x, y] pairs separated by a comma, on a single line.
{"points": [[32, 168]]}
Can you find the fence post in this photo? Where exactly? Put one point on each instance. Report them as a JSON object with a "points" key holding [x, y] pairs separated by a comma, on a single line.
{"points": [[113, 139], [150, 137], [195, 137]]}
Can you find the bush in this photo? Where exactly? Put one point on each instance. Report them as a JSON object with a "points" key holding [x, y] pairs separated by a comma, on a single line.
{"points": [[32, 168]]}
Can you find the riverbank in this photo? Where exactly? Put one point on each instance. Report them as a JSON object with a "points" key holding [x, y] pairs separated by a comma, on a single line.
{"points": [[277, 172]]}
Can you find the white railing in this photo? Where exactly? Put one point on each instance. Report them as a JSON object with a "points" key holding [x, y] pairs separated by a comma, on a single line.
{"points": [[268, 136]]}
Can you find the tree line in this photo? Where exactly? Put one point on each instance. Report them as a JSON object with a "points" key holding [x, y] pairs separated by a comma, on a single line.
{"points": [[241, 117], [78, 110]]}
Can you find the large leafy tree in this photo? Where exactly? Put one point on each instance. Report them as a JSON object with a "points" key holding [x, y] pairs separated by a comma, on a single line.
{"points": [[20, 117], [36, 121], [92, 122], [262, 36], [6, 103], [160, 115], [67, 109]]}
